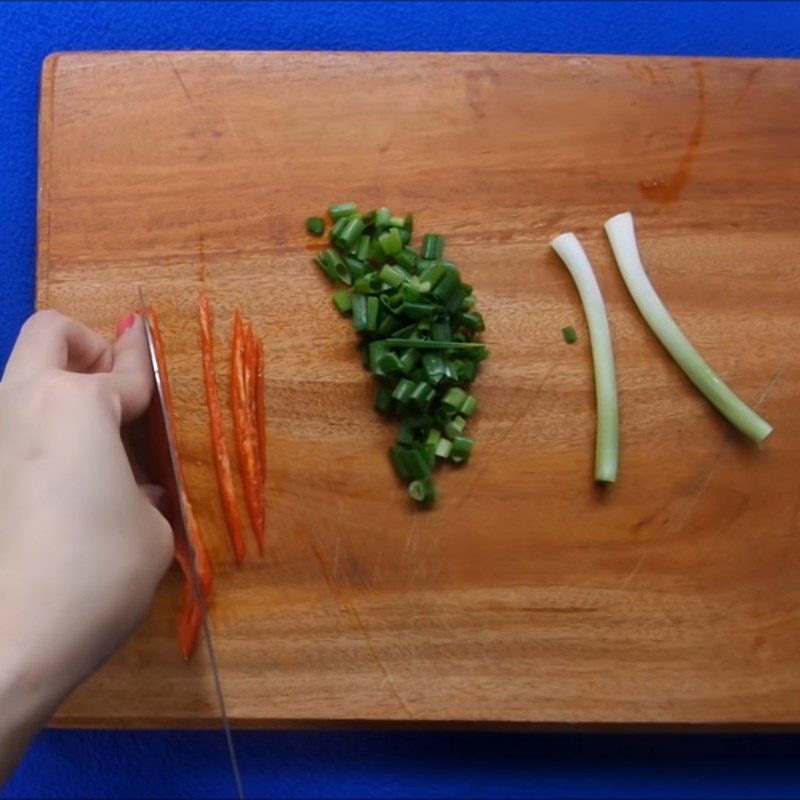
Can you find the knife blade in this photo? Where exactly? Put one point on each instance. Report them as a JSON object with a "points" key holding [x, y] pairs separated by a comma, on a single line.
{"points": [[175, 492]]}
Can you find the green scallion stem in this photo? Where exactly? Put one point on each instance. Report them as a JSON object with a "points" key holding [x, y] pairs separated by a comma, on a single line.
{"points": [[622, 236], [607, 444]]}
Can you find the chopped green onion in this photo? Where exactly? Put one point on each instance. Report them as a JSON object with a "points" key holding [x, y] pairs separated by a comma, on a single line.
{"points": [[339, 210], [462, 448], [406, 258], [342, 301], [418, 464], [399, 456], [409, 360], [455, 301], [368, 284], [389, 363], [417, 322], [383, 398], [388, 325], [423, 490], [454, 399], [393, 275], [469, 406], [376, 350], [434, 368], [455, 427], [445, 286], [403, 391], [570, 337], [355, 267], [432, 245], [336, 230], [350, 236], [622, 236], [390, 242], [413, 310], [472, 320], [382, 218], [422, 395], [443, 448], [411, 290], [373, 307], [607, 444], [359, 302], [315, 226], [434, 437], [468, 302], [375, 254], [363, 248], [465, 372]]}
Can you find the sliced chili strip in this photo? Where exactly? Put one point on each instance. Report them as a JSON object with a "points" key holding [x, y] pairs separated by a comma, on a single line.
{"points": [[190, 616], [250, 380], [261, 423], [219, 446], [244, 430], [253, 433]]}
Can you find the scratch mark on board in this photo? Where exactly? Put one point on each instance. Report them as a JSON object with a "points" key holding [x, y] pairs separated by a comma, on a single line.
{"points": [[749, 80], [387, 675], [352, 611], [680, 517], [180, 81], [494, 445]]}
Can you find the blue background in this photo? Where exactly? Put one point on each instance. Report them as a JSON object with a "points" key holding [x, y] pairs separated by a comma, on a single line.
{"points": [[367, 765]]}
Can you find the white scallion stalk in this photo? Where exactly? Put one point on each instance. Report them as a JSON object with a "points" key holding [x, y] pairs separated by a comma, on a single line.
{"points": [[606, 463], [622, 236]]}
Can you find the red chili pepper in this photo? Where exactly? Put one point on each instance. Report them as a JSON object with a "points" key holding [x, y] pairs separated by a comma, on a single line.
{"points": [[190, 616], [261, 422], [244, 430], [218, 444]]}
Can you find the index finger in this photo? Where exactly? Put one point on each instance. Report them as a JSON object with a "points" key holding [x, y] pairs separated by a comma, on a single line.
{"points": [[50, 340]]}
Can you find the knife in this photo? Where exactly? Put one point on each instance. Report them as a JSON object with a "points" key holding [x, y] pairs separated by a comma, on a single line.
{"points": [[171, 476]]}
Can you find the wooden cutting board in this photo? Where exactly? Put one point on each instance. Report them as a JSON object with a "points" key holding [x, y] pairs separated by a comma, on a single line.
{"points": [[528, 596]]}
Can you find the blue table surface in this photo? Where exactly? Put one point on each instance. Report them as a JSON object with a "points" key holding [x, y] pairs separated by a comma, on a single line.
{"points": [[355, 764]]}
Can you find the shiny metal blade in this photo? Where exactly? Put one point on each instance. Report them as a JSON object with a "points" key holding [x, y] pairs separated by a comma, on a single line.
{"points": [[182, 518]]}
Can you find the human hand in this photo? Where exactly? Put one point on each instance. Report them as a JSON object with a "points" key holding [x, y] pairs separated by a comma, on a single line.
{"points": [[82, 547]]}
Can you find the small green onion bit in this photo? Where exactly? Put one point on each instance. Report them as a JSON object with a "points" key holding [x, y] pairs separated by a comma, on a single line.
{"points": [[350, 235], [462, 448], [432, 245], [390, 242], [343, 301], [570, 337], [383, 218], [315, 226], [340, 210], [423, 490]]}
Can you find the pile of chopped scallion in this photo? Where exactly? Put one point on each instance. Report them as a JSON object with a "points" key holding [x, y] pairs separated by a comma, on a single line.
{"points": [[417, 323]]}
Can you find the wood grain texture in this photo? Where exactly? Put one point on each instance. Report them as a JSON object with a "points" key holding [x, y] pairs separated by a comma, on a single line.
{"points": [[528, 596]]}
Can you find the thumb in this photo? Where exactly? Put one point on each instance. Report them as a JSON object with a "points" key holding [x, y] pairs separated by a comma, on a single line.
{"points": [[131, 375]]}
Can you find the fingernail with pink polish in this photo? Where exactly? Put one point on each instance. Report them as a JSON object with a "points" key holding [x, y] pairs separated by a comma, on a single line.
{"points": [[125, 323]]}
